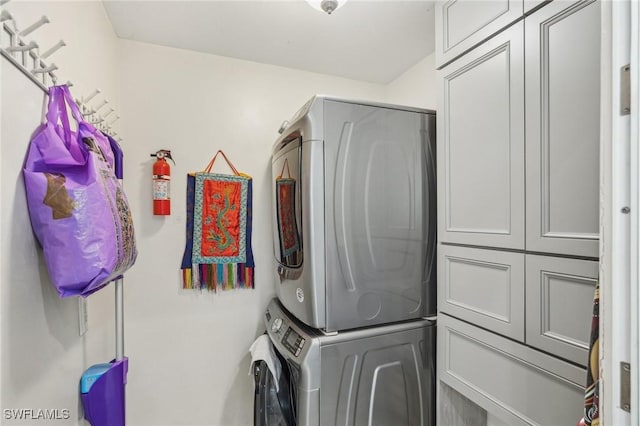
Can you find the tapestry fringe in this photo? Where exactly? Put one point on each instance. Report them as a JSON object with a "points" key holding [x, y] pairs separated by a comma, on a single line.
{"points": [[218, 277]]}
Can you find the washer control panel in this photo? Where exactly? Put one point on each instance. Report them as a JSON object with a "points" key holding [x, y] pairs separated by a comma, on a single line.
{"points": [[293, 341]]}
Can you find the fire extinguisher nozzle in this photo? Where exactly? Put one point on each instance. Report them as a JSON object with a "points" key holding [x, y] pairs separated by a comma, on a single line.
{"points": [[168, 155]]}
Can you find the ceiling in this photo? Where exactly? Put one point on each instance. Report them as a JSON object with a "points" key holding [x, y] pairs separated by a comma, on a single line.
{"points": [[368, 40]]}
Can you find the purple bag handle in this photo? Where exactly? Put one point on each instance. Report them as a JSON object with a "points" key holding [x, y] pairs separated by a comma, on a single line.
{"points": [[102, 142], [72, 105], [56, 111], [59, 98]]}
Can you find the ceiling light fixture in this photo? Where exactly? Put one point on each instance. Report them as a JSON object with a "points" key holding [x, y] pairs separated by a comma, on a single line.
{"points": [[328, 6]]}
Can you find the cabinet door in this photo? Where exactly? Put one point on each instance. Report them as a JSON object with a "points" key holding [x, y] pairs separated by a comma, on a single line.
{"points": [[518, 384], [462, 24], [484, 287], [559, 294], [480, 128], [563, 128]]}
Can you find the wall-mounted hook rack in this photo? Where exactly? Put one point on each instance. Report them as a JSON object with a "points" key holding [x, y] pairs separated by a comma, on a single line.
{"points": [[26, 58]]}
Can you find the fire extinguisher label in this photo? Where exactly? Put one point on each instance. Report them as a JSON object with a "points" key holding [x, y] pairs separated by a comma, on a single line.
{"points": [[161, 189]]}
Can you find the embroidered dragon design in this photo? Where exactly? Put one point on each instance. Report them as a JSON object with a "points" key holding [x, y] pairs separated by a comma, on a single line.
{"points": [[222, 238]]}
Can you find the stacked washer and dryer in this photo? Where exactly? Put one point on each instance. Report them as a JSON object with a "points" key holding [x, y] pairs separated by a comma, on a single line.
{"points": [[354, 220]]}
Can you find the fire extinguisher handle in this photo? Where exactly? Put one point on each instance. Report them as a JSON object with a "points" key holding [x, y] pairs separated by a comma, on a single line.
{"points": [[163, 153]]}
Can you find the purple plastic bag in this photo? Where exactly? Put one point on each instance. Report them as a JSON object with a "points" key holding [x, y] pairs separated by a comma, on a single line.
{"points": [[78, 209]]}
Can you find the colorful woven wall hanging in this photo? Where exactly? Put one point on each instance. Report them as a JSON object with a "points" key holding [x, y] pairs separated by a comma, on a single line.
{"points": [[218, 253]]}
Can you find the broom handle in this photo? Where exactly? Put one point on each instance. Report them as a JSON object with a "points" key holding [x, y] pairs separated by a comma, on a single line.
{"points": [[119, 317], [119, 320]]}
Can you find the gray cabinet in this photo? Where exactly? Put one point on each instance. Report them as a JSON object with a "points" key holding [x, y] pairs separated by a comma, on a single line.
{"points": [[559, 294], [482, 128], [484, 287], [519, 114], [481, 145], [462, 24], [518, 384], [562, 67]]}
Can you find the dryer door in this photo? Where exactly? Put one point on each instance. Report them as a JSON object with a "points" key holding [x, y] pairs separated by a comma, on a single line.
{"points": [[298, 229], [287, 212]]}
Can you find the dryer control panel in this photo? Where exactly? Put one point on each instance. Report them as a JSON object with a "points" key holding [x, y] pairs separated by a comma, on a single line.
{"points": [[293, 341]]}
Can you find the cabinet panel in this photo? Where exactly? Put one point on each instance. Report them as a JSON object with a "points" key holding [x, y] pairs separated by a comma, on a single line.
{"points": [[559, 294], [461, 24], [485, 287], [481, 153], [530, 5], [563, 131], [518, 384]]}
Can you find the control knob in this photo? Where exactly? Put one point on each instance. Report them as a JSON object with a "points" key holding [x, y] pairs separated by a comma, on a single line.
{"points": [[277, 324]]}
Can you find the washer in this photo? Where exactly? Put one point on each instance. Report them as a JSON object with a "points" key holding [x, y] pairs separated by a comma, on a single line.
{"points": [[382, 375]]}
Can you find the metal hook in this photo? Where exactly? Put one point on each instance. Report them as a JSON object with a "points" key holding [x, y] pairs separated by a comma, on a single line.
{"points": [[102, 105], [22, 48], [53, 50], [111, 110], [34, 26], [5, 16], [69, 83], [91, 96], [50, 68], [3, 2], [116, 118]]}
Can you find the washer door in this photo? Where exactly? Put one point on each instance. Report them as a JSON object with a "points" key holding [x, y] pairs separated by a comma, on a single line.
{"points": [[274, 407]]}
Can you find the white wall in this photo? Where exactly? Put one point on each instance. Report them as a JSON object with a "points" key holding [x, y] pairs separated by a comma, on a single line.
{"points": [[416, 86], [188, 350], [42, 354]]}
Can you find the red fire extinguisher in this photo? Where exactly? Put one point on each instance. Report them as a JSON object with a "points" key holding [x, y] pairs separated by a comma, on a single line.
{"points": [[161, 183]]}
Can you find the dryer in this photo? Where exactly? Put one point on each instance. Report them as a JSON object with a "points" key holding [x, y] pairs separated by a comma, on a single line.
{"points": [[354, 214], [382, 375]]}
